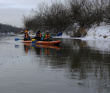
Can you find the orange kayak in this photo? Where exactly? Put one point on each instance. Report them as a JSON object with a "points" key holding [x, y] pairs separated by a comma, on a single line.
{"points": [[45, 42]]}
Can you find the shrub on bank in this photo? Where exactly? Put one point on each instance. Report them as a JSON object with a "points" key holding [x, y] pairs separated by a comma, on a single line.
{"points": [[58, 17]]}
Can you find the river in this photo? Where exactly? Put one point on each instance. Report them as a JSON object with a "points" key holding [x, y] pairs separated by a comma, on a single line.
{"points": [[76, 66]]}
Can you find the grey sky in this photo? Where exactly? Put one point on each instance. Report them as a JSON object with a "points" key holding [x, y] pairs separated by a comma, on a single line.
{"points": [[12, 11]]}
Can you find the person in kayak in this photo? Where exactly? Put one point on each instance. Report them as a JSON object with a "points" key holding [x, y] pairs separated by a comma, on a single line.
{"points": [[47, 36], [26, 36], [38, 36]]}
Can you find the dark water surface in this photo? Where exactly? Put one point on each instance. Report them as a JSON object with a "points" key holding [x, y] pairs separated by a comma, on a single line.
{"points": [[75, 66]]}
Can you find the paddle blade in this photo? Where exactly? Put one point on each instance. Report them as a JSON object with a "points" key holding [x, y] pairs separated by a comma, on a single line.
{"points": [[59, 34], [16, 39]]}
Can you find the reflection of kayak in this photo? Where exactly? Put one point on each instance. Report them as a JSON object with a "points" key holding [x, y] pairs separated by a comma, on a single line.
{"points": [[27, 44], [45, 42], [43, 46], [48, 46]]}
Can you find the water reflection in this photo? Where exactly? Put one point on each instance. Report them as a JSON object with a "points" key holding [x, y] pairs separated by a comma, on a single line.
{"points": [[83, 62], [40, 49], [16, 46], [26, 48], [103, 46], [89, 64]]}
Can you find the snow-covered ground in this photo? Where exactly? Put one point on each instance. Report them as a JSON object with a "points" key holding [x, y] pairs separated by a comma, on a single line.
{"points": [[101, 32]]}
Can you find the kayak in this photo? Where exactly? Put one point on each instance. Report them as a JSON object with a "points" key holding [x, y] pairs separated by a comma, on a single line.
{"points": [[45, 42]]}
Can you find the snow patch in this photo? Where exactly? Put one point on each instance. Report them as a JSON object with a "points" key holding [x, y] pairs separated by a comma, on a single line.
{"points": [[99, 32]]}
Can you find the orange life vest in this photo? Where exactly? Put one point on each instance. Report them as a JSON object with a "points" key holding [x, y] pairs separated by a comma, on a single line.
{"points": [[26, 35], [39, 35], [47, 36]]}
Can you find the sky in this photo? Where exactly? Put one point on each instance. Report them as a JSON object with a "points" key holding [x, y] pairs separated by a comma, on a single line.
{"points": [[12, 11]]}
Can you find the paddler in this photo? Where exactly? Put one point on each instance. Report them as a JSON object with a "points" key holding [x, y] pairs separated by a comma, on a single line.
{"points": [[38, 36], [26, 36], [47, 36]]}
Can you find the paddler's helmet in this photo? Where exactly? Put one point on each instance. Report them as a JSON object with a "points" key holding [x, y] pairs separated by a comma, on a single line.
{"points": [[38, 32], [26, 31], [47, 32]]}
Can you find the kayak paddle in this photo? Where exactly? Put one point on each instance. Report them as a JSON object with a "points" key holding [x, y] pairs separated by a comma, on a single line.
{"points": [[16, 39], [59, 34]]}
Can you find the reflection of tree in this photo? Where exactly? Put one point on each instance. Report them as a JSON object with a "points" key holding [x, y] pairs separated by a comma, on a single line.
{"points": [[90, 66], [83, 64], [38, 50]]}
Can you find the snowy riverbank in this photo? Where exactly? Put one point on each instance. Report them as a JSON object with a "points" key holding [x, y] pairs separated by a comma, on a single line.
{"points": [[101, 32]]}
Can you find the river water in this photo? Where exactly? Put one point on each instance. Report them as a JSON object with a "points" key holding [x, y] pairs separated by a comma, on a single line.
{"points": [[75, 66]]}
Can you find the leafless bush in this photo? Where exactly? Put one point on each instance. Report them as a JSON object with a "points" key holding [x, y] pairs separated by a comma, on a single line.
{"points": [[58, 17], [54, 17], [86, 13], [107, 13]]}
